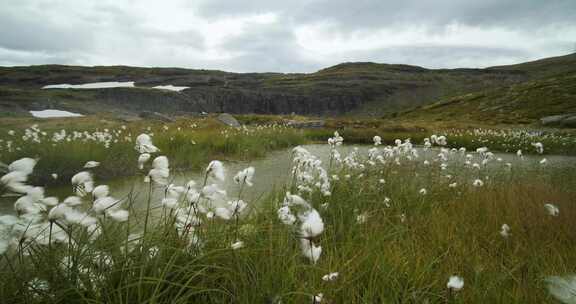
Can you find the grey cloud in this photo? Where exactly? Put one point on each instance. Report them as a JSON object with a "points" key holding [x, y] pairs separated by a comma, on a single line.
{"points": [[112, 32], [365, 14], [16, 57], [31, 32], [267, 48]]}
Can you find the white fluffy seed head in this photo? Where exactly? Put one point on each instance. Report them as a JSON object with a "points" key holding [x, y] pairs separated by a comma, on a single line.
{"points": [[312, 224], [310, 250], [216, 170], [117, 215], [455, 283], [245, 176], [24, 165], [101, 191], [91, 164]]}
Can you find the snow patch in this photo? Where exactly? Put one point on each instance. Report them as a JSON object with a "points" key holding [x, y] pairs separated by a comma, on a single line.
{"points": [[170, 88], [93, 85], [53, 114]]}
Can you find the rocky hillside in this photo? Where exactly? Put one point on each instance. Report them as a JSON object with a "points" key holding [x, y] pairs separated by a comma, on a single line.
{"points": [[368, 89]]}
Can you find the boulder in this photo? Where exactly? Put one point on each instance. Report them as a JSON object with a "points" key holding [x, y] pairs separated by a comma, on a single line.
{"points": [[569, 122], [155, 116], [564, 120], [228, 120], [554, 119]]}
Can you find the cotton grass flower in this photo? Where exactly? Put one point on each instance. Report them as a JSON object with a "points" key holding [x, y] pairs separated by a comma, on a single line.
{"points": [[216, 170], [25, 165], [455, 283], [80, 218], [312, 224], [286, 216], [73, 201], [91, 164], [505, 231], [552, 209], [15, 181], [213, 192], [330, 277], [17, 175], [377, 140], [423, 191], [310, 251], [245, 176], [101, 191], [103, 204], [28, 205], [237, 245], [478, 183], [83, 183], [362, 218], [562, 288], [49, 201], [118, 215], [237, 206], [144, 144], [336, 140], [539, 147], [160, 170], [170, 202], [441, 140], [58, 212], [223, 213], [142, 159]]}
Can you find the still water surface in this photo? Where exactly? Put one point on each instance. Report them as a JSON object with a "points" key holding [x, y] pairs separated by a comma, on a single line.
{"points": [[272, 172]]}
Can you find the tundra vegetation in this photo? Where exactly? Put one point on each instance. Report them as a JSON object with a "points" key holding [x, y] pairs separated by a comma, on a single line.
{"points": [[437, 223]]}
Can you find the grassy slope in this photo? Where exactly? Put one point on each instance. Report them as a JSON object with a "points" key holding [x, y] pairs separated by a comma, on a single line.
{"points": [[523, 103], [544, 67]]}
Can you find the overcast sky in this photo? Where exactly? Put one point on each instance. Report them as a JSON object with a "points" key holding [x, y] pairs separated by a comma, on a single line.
{"points": [[284, 36]]}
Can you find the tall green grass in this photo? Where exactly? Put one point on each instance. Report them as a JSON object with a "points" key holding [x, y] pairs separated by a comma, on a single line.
{"points": [[189, 148], [403, 253]]}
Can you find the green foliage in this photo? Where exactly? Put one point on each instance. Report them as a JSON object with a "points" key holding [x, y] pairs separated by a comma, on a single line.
{"points": [[403, 253], [519, 104], [186, 144]]}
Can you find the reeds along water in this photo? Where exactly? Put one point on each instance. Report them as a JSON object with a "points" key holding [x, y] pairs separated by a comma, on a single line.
{"points": [[378, 224]]}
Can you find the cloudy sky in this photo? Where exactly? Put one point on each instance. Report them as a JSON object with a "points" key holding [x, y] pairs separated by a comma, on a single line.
{"points": [[284, 36]]}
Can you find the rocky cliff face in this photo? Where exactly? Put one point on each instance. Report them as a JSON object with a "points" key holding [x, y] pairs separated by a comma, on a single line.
{"points": [[230, 100], [360, 88]]}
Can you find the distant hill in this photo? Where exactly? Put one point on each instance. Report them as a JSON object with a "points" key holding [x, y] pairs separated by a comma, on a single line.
{"points": [[361, 88], [523, 103]]}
